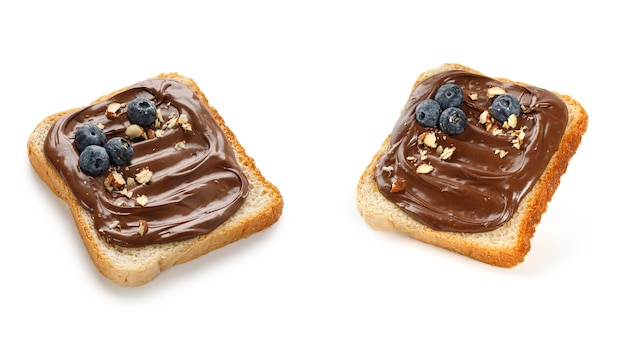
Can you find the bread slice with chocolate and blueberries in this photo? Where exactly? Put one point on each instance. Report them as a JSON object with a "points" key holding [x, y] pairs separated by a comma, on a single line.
{"points": [[472, 163], [153, 177]]}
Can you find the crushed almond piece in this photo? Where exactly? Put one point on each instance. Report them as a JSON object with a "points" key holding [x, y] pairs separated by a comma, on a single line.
{"points": [[114, 224], [112, 110], [179, 145], [125, 192], [497, 131], [447, 153], [114, 181], [483, 117], [420, 138], [182, 119], [142, 200], [159, 133], [424, 168], [388, 168], [143, 227], [430, 140], [398, 185], [473, 96], [133, 131], [171, 122], [493, 91], [158, 118], [144, 176], [501, 153], [512, 120]]}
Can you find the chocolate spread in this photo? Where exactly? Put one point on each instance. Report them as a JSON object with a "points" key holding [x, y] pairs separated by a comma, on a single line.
{"points": [[483, 182], [194, 188]]}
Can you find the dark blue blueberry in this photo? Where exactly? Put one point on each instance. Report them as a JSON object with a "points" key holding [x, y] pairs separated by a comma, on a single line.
{"points": [[504, 106], [427, 113], [93, 159], [452, 121], [120, 151], [449, 95], [88, 134], [141, 111]]}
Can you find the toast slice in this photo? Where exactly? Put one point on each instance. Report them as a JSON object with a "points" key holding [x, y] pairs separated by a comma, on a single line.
{"points": [[503, 246], [137, 265]]}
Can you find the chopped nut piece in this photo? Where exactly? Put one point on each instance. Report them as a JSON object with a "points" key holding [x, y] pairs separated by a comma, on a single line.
{"points": [[182, 119], [143, 227], [171, 122], [447, 153], [114, 181], [420, 138], [518, 139], [186, 127], [125, 192], [430, 140], [159, 133], [424, 168], [387, 168], [483, 117], [158, 118], [112, 110], [512, 121], [114, 224], [473, 96], [497, 132], [133, 131], [502, 153], [493, 91], [144, 176], [142, 200], [179, 145], [398, 185], [150, 133]]}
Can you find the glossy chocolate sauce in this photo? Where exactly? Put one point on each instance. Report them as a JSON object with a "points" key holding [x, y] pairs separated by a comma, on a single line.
{"points": [[476, 189], [194, 188]]}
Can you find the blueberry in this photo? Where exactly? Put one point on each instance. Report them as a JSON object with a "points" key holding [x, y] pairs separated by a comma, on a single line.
{"points": [[120, 151], [93, 159], [141, 111], [88, 134], [427, 113], [504, 106], [449, 95], [452, 121]]}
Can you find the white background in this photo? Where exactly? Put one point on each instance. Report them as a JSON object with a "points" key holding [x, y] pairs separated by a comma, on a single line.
{"points": [[311, 90]]}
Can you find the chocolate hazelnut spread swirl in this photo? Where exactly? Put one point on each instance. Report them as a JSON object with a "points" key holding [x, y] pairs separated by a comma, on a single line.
{"points": [[196, 183], [480, 186]]}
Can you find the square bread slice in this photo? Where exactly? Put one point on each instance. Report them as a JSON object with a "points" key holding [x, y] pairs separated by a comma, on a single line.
{"points": [[134, 266], [504, 246]]}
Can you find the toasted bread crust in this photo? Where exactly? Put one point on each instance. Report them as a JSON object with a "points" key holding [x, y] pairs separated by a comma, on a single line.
{"points": [[137, 266], [504, 247]]}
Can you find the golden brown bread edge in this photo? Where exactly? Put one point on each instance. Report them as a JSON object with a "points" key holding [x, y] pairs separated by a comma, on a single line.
{"points": [[504, 247], [137, 266]]}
